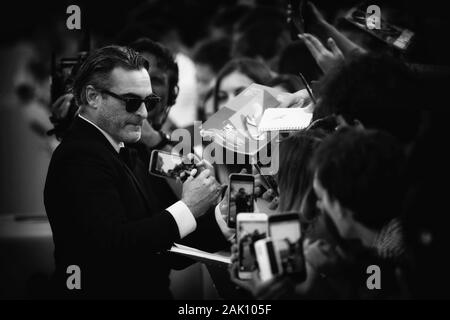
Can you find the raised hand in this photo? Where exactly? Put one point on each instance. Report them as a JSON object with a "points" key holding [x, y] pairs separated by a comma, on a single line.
{"points": [[326, 58]]}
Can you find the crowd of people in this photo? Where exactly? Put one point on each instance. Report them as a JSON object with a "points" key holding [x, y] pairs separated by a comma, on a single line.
{"points": [[361, 176]]}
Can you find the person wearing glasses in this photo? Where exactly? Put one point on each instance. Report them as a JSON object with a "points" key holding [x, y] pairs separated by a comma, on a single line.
{"points": [[101, 218]]}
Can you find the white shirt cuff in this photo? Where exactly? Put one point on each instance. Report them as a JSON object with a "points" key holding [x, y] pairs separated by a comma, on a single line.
{"points": [[227, 232], [183, 217]]}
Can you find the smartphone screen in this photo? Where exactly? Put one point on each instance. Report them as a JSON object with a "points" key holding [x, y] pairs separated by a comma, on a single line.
{"points": [[168, 165], [248, 232], [240, 196], [285, 229]]}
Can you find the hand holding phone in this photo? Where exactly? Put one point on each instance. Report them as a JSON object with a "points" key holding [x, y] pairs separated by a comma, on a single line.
{"points": [[168, 165], [251, 227], [201, 193], [282, 251], [240, 196]]}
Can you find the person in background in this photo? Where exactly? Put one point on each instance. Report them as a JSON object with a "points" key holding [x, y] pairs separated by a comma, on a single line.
{"points": [[234, 78], [209, 58], [359, 184], [224, 21], [262, 41]]}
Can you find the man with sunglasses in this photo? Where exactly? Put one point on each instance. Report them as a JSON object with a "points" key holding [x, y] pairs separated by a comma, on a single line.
{"points": [[101, 218]]}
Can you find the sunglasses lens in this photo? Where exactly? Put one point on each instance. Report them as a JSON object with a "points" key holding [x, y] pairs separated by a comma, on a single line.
{"points": [[133, 105], [150, 103]]}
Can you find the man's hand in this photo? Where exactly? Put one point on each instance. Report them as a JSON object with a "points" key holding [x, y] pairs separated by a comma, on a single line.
{"points": [[325, 58], [201, 192]]}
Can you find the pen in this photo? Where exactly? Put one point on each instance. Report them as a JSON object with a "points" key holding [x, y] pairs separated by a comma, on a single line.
{"points": [[266, 181], [308, 88]]}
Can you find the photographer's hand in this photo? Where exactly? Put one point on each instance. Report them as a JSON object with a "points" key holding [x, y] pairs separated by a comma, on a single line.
{"points": [[325, 58], [317, 25], [269, 290], [60, 107]]}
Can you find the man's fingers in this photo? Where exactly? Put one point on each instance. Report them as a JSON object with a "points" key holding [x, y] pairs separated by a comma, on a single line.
{"points": [[193, 172], [334, 48], [316, 43], [311, 47], [204, 174], [190, 178]]}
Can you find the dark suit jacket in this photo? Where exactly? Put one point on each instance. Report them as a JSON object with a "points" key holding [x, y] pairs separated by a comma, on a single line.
{"points": [[103, 221]]}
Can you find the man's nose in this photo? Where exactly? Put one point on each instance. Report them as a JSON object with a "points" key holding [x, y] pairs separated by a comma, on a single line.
{"points": [[142, 111]]}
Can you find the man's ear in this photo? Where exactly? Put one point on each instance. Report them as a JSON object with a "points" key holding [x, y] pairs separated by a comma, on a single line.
{"points": [[92, 97]]}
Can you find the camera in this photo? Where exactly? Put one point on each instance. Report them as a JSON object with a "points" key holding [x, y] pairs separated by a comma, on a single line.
{"points": [[63, 75]]}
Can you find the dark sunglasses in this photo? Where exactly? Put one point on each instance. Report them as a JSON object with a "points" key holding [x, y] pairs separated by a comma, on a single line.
{"points": [[133, 104]]}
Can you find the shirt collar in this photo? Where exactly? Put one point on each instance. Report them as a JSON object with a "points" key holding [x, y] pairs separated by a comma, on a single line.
{"points": [[116, 145]]}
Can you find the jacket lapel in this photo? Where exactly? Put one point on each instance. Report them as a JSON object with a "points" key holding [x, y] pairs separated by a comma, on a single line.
{"points": [[83, 130]]}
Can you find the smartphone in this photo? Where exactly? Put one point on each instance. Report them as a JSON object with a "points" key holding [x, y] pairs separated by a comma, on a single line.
{"points": [[285, 226], [168, 165], [394, 36], [251, 227], [284, 254], [240, 196]]}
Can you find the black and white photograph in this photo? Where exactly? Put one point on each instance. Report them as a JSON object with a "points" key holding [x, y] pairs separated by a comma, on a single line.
{"points": [[112, 186]]}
